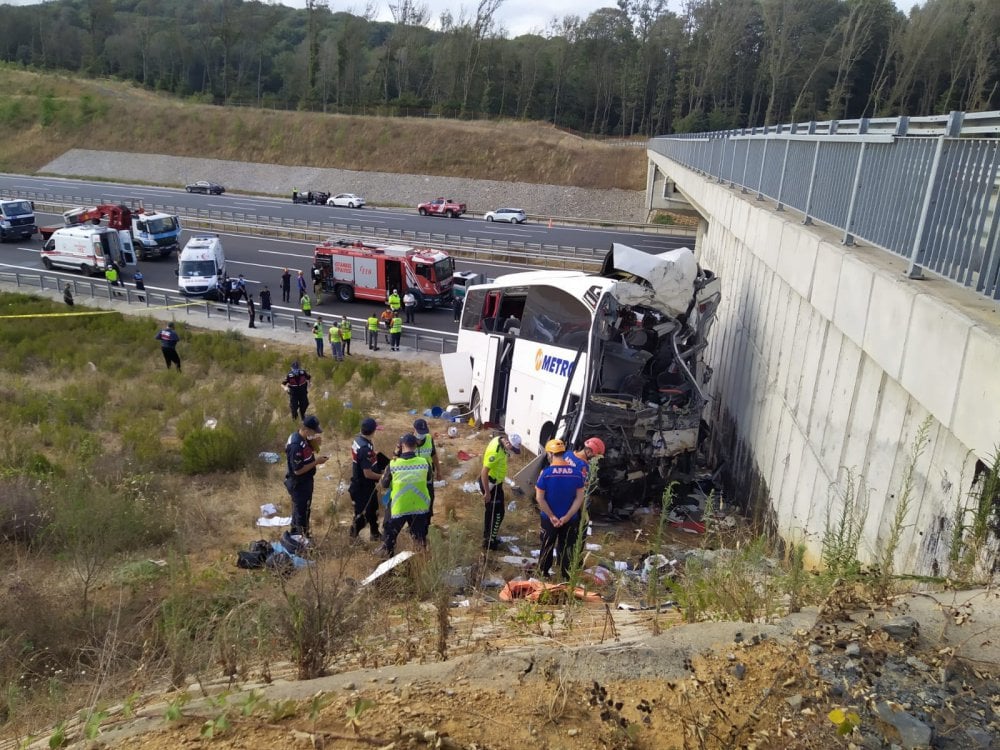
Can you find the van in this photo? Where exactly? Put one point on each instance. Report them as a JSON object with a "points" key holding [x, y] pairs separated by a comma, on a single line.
{"points": [[201, 265], [462, 280], [17, 219], [90, 249]]}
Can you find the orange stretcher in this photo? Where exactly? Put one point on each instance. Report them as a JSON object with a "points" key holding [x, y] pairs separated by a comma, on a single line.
{"points": [[533, 590]]}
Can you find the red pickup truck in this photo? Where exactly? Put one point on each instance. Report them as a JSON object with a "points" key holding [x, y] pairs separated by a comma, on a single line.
{"points": [[442, 207]]}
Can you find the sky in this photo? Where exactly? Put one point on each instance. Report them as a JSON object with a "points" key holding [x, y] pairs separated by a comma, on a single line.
{"points": [[517, 16]]}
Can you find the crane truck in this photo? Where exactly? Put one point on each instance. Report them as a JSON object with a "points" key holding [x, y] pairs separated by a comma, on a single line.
{"points": [[154, 234]]}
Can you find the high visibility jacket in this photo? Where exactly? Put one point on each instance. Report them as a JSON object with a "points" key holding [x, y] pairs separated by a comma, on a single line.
{"points": [[373, 323], [317, 330], [397, 325], [495, 459], [345, 330], [425, 450], [111, 274], [394, 302], [408, 493], [306, 303], [334, 334]]}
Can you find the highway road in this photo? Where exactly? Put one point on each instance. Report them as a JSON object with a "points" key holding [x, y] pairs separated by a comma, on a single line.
{"points": [[262, 259]]}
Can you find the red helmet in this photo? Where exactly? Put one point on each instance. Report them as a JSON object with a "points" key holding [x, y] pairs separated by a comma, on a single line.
{"points": [[595, 444]]}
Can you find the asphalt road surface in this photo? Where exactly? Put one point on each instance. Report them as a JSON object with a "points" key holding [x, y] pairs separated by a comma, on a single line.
{"points": [[262, 259]]}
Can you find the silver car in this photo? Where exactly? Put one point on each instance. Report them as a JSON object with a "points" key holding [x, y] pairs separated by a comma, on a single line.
{"points": [[512, 215], [350, 200]]}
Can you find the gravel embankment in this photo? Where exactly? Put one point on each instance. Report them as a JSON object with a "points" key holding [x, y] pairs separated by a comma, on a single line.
{"points": [[378, 188]]}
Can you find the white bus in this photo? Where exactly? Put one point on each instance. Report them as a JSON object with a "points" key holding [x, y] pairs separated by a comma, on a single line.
{"points": [[617, 355]]}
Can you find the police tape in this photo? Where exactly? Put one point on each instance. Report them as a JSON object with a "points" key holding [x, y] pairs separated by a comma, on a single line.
{"points": [[93, 312]]}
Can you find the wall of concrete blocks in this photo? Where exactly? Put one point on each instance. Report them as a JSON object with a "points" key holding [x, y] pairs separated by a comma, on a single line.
{"points": [[829, 363]]}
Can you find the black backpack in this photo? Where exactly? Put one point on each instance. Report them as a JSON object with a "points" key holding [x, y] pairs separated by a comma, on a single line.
{"points": [[254, 557]]}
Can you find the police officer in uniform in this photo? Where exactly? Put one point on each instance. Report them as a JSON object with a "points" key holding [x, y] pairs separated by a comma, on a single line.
{"points": [[426, 449], [364, 478], [491, 480], [296, 384], [302, 463], [409, 499]]}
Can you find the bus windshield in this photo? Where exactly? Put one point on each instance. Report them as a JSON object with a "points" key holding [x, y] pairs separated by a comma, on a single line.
{"points": [[552, 316]]}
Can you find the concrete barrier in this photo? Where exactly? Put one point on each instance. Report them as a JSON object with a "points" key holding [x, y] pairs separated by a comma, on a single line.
{"points": [[830, 366]]}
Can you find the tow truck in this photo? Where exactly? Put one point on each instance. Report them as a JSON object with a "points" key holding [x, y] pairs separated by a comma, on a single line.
{"points": [[154, 234]]}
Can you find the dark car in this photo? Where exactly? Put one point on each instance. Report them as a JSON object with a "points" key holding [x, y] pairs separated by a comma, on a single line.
{"points": [[204, 186]]}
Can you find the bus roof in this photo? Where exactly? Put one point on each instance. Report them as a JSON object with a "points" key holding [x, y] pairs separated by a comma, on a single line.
{"points": [[573, 281]]}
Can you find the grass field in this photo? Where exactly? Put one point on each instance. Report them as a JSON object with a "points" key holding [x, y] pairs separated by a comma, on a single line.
{"points": [[43, 115]]}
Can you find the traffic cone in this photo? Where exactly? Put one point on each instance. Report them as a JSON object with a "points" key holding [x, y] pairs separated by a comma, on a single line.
{"points": [[550, 223]]}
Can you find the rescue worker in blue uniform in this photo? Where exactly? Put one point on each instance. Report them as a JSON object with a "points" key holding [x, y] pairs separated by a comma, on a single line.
{"points": [[559, 494]]}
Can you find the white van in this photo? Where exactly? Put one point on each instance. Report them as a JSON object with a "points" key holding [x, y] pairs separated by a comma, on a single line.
{"points": [[88, 248], [201, 265]]}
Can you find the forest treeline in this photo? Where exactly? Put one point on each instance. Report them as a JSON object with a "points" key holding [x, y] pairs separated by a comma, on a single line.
{"points": [[637, 69]]}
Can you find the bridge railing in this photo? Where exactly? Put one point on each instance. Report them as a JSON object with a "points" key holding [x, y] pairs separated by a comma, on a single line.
{"points": [[420, 340], [924, 189]]}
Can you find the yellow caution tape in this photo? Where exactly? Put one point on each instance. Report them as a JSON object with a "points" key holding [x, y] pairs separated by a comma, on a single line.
{"points": [[95, 312]]}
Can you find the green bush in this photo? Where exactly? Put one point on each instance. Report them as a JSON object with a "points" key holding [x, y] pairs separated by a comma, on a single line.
{"points": [[205, 450]]}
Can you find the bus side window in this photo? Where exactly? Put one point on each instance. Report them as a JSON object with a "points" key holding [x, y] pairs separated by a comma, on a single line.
{"points": [[472, 313]]}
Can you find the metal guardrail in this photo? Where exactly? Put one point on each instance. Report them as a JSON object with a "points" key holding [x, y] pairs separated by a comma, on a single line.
{"points": [[95, 289], [459, 245], [928, 194]]}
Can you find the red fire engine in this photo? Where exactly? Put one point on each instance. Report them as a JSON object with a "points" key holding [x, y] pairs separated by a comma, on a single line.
{"points": [[353, 270]]}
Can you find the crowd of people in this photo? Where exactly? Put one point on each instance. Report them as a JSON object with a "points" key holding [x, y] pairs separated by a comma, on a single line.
{"points": [[405, 483]]}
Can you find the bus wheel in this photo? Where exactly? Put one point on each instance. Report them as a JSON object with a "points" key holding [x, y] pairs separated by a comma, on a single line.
{"points": [[47, 263], [345, 293]]}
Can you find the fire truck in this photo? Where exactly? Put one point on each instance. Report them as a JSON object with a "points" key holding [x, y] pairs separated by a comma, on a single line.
{"points": [[351, 270]]}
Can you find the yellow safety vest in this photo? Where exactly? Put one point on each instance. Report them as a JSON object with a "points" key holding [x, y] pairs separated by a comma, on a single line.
{"points": [[334, 334], [373, 323], [426, 449], [317, 330], [397, 325], [306, 303], [394, 302], [345, 330], [495, 459], [409, 494]]}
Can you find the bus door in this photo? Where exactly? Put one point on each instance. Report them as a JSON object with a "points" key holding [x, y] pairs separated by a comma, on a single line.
{"points": [[496, 379]]}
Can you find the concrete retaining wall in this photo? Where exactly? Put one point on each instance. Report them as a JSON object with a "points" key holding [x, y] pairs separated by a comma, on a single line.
{"points": [[828, 363]]}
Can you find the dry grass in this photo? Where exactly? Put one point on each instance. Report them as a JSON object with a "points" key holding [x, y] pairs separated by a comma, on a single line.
{"points": [[127, 118]]}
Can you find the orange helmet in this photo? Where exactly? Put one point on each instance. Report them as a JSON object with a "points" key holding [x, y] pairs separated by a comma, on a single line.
{"points": [[595, 444], [555, 445]]}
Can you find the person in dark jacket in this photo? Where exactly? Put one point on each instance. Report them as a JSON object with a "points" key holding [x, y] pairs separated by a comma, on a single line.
{"points": [[251, 311], [265, 304], [286, 285], [457, 308], [301, 455], [68, 294], [364, 476], [168, 339], [296, 384]]}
